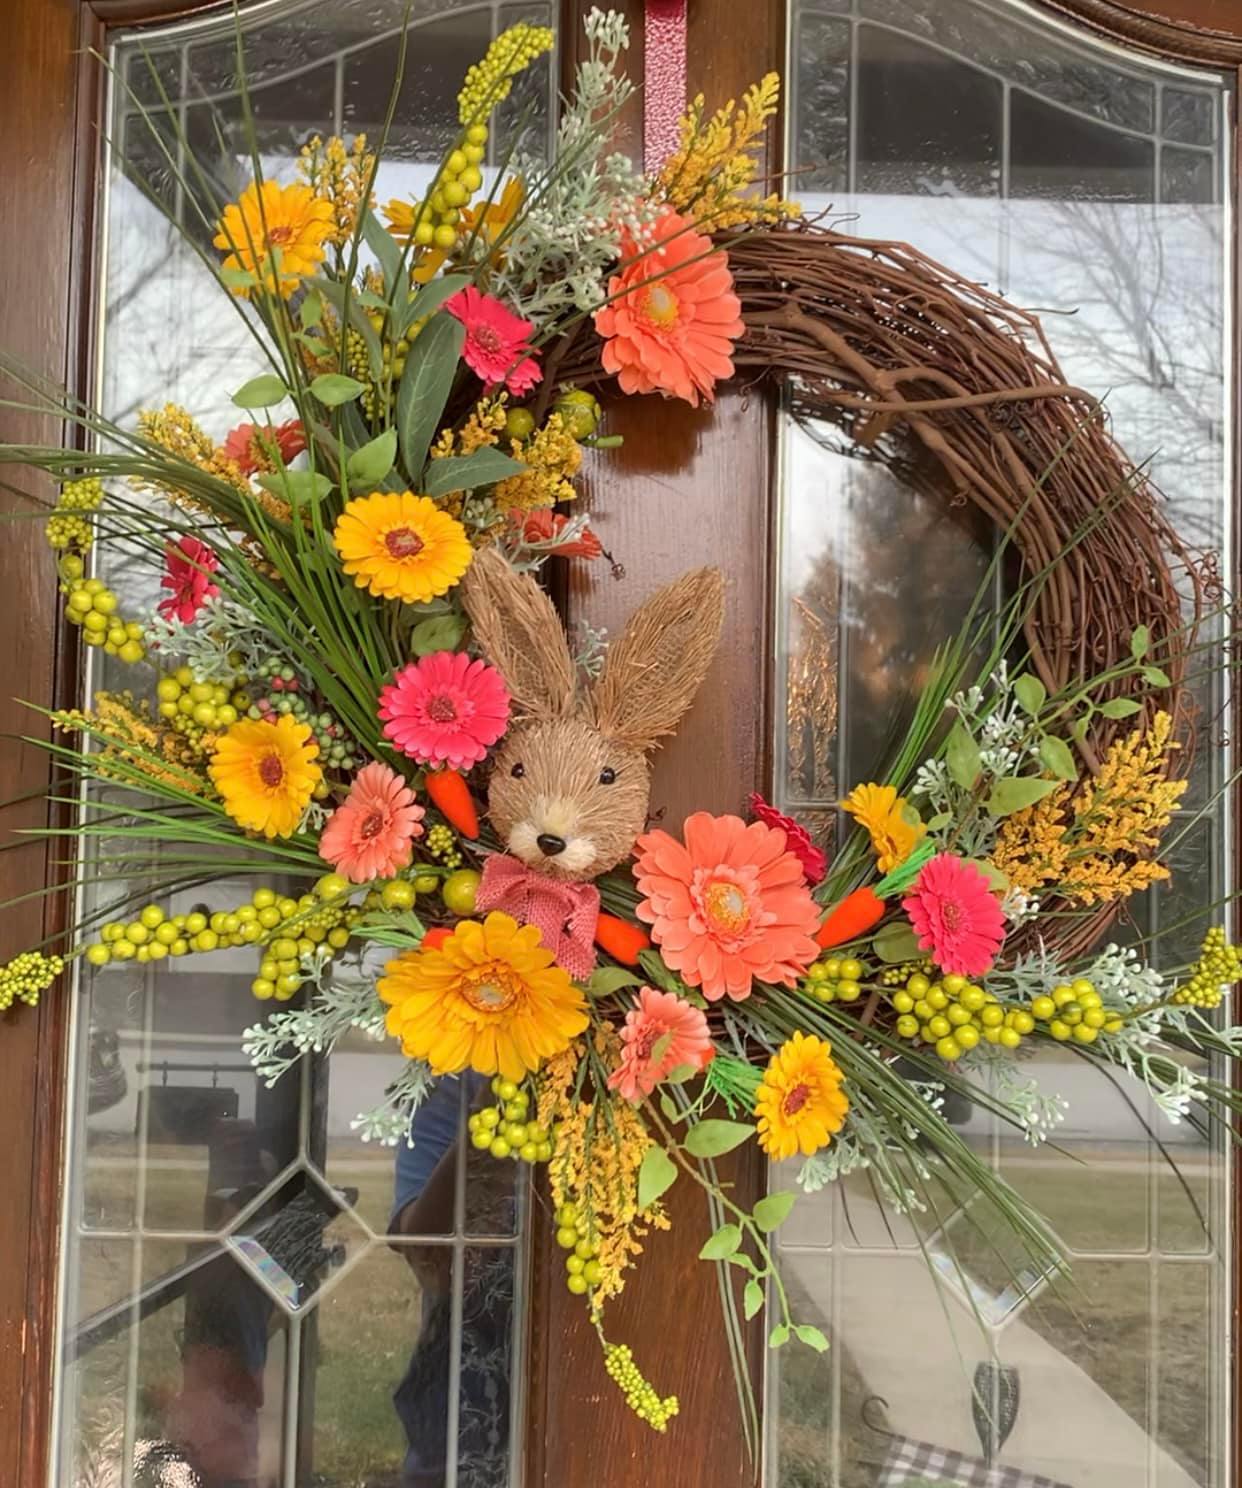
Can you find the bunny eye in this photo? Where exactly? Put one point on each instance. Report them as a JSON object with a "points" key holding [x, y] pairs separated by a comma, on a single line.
{"points": [[518, 770], [607, 775]]}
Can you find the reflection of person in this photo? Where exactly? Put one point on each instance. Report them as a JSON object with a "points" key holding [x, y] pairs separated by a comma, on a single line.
{"points": [[426, 1182]]}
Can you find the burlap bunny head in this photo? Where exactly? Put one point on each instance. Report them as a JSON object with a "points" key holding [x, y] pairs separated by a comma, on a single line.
{"points": [[570, 783]]}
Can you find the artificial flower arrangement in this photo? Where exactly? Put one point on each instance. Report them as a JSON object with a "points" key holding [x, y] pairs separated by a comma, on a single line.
{"points": [[353, 682]]}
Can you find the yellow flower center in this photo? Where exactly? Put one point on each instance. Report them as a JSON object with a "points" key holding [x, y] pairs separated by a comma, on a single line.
{"points": [[659, 306], [271, 770], [796, 1099], [492, 990], [403, 542], [726, 905]]}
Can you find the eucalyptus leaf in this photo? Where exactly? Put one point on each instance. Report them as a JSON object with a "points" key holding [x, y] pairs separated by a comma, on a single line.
{"points": [[439, 633], [661, 1047], [334, 388], [895, 942], [772, 1212], [297, 487], [1140, 640], [310, 311], [941, 819], [812, 1337], [656, 1176], [712, 1138], [721, 1244], [778, 1336], [385, 247], [1015, 792], [669, 1107], [1030, 693], [681, 1073], [752, 1299], [261, 392], [238, 278], [1119, 708], [467, 472], [346, 306], [370, 464], [961, 755], [1056, 755], [1156, 676], [608, 979], [430, 368]]}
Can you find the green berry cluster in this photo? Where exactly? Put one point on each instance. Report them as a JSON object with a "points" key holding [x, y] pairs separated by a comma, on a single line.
{"points": [[1073, 1010], [67, 527], [442, 845], [899, 975], [641, 1397], [437, 221], [1219, 966], [26, 976], [835, 979], [503, 1129], [954, 1014], [573, 1234], [336, 748], [93, 606], [194, 708]]}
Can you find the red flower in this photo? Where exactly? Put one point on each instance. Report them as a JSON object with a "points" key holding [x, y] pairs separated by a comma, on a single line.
{"points": [[496, 348], [188, 564], [543, 526], [797, 838], [250, 445]]}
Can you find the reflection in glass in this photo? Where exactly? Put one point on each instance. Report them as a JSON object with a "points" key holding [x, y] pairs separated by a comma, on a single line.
{"points": [[1092, 184], [254, 1297]]}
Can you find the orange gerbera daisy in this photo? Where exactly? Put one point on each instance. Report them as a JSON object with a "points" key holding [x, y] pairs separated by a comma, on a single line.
{"points": [[291, 220], [672, 316], [401, 546], [728, 908]]}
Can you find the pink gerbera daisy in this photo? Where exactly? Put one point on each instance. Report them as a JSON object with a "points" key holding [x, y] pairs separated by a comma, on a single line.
{"points": [[728, 908], [251, 445], [659, 1021], [955, 915], [496, 348], [797, 838], [369, 836], [188, 565], [445, 710]]}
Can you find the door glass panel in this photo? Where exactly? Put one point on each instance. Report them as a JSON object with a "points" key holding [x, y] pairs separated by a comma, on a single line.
{"points": [[1092, 184], [252, 1293]]}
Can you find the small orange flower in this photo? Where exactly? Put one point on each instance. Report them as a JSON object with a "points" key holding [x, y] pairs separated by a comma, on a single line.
{"points": [[672, 316]]}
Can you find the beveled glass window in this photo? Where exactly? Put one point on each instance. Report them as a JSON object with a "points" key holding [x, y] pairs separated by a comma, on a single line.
{"points": [[1093, 185], [253, 1294]]}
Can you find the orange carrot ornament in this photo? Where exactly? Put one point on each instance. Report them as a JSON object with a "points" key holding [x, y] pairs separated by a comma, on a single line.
{"points": [[865, 907], [622, 940], [451, 796]]}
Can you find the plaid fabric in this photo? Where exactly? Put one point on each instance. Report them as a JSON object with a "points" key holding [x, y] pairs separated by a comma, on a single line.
{"points": [[911, 1464]]}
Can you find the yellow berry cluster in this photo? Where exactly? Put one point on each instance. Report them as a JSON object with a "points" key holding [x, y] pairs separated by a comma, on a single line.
{"points": [[954, 1014], [93, 606], [503, 1129], [193, 708], [26, 976], [67, 527], [573, 1234], [836, 979], [487, 82], [1073, 1010], [442, 845], [641, 1397], [437, 221], [1219, 966]]}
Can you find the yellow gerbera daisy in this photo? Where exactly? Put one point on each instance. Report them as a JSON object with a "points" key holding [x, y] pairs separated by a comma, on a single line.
{"points": [[894, 826], [291, 220], [489, 220], [489, 997], [401, 546], [800, 1102], [266, 774]]}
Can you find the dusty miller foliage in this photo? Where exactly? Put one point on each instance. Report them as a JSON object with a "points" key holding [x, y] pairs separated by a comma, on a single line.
{"points": [[557, 259]]}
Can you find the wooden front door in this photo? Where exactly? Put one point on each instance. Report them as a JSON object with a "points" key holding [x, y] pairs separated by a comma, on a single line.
{"points": [[687, 488]]}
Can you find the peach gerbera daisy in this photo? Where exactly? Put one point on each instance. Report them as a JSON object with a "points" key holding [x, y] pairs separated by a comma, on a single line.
{"points": [[672, 316], [266, 773], [728, 908], [401, 546], [665, 1023], [370, 835], [291, 220]]}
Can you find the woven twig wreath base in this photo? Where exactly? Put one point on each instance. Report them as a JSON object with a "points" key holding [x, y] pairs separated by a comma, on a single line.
{"points": [[958, 392]]}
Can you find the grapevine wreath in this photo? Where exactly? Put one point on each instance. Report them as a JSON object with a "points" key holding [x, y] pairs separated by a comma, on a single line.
{"points": [[355, 685]]}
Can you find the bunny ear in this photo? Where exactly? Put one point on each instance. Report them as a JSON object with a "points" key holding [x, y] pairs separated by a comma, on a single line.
{"points": [[519, 631], [653, 672]]}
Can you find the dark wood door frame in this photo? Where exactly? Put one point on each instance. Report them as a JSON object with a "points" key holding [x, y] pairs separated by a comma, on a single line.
{"points": [[709, 502]]}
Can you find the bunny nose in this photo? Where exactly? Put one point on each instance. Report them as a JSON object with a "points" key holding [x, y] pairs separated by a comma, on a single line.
{"points": [[550, 845]]}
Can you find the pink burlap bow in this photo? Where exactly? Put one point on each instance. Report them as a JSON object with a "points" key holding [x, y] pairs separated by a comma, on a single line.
{"points": [[565, 914]]}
